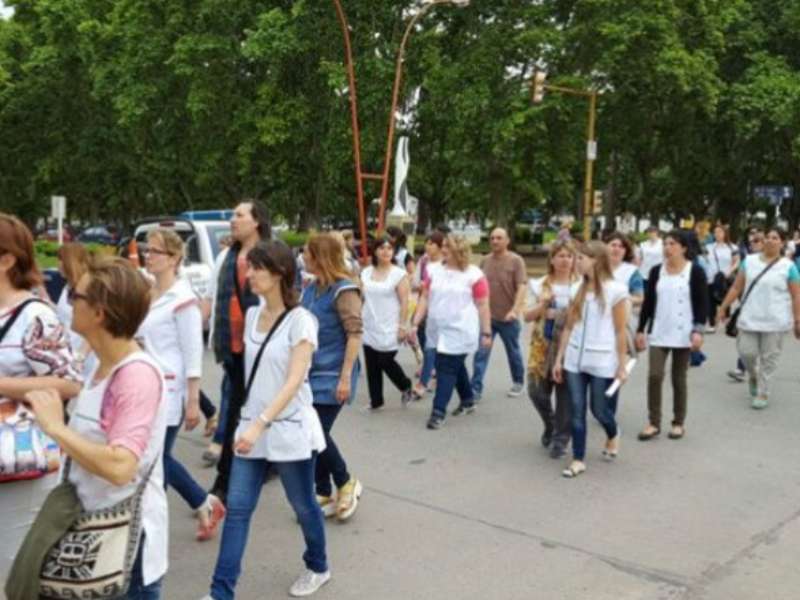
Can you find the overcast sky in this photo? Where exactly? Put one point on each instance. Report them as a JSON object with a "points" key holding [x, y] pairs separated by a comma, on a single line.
{"points": [[4, 12]]}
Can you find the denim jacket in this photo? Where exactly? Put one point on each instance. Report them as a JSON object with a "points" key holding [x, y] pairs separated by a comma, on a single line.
{"points": [[326, 364]]}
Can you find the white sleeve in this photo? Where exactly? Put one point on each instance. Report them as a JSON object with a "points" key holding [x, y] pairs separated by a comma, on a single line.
{"points": [[617, 293], [397, 276], [535, 289], [303, 328], [189, 321], [211, 291]]}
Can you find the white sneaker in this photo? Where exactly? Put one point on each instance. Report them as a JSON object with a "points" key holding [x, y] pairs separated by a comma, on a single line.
{"points": [[308, 583], [516, 390]]}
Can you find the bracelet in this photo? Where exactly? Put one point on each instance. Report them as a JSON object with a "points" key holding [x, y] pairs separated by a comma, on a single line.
{"points": [[265, 421]]}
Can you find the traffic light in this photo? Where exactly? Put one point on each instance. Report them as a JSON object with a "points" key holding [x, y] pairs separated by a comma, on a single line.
{"points": [[537, 92]]}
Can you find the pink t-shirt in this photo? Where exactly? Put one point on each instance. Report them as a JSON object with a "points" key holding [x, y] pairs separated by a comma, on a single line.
{"points": [[130, 407]]}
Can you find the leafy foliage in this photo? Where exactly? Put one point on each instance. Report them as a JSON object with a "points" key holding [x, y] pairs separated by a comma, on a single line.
{"points": [[135, 107]]}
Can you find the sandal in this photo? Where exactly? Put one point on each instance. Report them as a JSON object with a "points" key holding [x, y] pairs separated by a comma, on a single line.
{"points": [[211, 426], [676, 433], [648, 433], [612, 453], [575, 469]]}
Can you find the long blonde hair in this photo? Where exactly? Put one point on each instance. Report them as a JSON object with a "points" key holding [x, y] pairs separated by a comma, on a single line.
{"points": [[328, 255], [556, 247], [601, 274]]}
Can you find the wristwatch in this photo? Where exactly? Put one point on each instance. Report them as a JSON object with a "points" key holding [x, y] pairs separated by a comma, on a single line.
{"points": [[264, 421], [484, 334]]}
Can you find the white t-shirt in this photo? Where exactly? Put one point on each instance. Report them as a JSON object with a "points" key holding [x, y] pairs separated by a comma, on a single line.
{"points": [[453, 322], [296, 432], [720, 259], [381, 311], [562, 294], [592, 347], [674, 318], [652, 254]]}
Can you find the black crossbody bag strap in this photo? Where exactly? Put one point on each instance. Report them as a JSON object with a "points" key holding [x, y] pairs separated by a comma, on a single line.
{"points": [[13, 318], [756, 280], [257, 360]]}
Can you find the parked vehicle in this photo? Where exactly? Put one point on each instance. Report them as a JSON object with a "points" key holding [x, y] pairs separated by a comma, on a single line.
{"points": [[51, 234], [100, 234]]}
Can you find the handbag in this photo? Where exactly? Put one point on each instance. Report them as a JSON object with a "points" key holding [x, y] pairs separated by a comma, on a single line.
{"points": [[720, 284], [25, 451], [731, 327], [95, 557]]}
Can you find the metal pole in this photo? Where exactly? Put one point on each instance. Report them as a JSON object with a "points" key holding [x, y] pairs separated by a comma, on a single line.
{"points": [[398, 77], [351, 76], [588, 192]]}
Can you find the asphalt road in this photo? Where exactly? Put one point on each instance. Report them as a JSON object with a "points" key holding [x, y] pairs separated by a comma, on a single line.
{"points": [[479, 510]]}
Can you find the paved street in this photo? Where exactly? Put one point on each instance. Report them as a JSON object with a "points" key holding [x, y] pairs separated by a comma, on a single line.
{"points": [[478, 510]]}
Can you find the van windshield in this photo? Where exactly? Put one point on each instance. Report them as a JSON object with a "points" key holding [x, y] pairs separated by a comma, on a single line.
{"points": [[216, 233]]}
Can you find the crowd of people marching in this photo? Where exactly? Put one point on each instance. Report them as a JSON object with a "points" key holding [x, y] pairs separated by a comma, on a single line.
{"points": [[97, 386]]}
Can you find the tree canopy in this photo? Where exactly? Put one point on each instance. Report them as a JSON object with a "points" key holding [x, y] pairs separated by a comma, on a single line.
{"points": [[137, 107]]}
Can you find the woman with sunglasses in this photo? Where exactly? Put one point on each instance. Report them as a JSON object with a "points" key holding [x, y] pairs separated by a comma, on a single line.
{"points": [[279, 426], [115, 435], [34, 353], [173, 334]]}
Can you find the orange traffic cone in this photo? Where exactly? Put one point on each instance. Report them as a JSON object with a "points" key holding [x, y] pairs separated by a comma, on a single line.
{"points": [[133, 253]]}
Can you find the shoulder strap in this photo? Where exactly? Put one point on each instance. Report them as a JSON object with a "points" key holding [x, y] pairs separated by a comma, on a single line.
{"points": [[15, 315], [257, 360], [757, 279]]}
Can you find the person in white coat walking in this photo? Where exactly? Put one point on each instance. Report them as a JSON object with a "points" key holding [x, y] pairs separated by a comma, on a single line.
{"points": [[173, 334]]}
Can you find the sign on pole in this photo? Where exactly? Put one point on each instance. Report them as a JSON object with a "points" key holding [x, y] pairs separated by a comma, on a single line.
{"points": [[58, 211], [591, 150]]}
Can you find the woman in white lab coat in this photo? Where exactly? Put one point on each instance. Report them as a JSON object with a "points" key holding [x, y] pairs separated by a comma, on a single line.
{"points": [[173, 334]]}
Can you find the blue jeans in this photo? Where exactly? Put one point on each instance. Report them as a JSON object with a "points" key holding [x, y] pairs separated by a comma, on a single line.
{"points": [[138, 590], [176, 475], [330, 463], [246, 480], [451, 373], [509, 332], [579, 384], [225, 391], [428, 362]]}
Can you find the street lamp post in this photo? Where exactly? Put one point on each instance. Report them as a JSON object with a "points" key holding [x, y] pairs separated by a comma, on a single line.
{"points": [[538, 87], [383, 177]]}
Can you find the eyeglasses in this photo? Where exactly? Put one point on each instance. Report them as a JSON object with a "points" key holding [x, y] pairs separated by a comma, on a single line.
{"points": [[72, 295], [156, 251]]}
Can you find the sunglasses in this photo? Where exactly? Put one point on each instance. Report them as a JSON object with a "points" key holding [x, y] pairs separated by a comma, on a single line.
{"points": [[72, 295]]}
